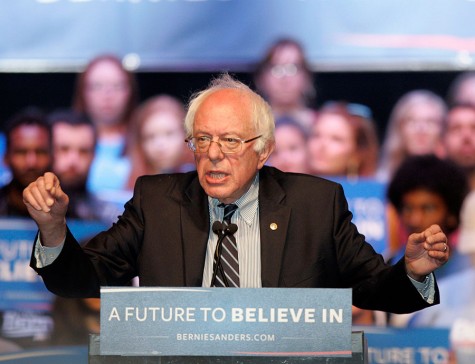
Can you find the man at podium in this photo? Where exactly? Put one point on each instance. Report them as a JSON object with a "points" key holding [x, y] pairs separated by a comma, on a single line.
{"points": [[233, 222]]}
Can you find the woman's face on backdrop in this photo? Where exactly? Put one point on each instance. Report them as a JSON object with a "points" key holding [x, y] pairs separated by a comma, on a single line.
{"points": [[421, 129], [162, 139], [290, 153], [331, 145], [285, 81], [106, 93]]}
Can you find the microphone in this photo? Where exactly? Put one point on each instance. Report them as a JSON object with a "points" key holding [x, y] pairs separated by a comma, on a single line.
{"points": [[230, 229], [222, 230], [218, 228]]}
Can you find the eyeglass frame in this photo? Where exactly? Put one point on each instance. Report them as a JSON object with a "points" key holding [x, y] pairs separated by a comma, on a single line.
{"points": [[285, 69], [190, 144]]}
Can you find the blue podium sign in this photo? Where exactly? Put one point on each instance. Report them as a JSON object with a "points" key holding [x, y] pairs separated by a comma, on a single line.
{"points": [[225, 321]]}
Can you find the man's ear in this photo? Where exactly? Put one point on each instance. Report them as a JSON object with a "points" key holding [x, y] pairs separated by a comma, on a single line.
{"points": [[265, 154]]}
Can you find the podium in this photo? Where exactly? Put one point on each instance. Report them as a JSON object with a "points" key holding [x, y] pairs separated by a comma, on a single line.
{"points": [[173, 325], [358, 348]]}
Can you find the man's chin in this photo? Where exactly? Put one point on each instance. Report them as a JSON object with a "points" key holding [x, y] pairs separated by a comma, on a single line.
{"points": [[216, 192]]}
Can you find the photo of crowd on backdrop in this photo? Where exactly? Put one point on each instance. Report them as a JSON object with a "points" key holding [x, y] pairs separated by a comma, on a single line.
{"points": [[98, 193]]}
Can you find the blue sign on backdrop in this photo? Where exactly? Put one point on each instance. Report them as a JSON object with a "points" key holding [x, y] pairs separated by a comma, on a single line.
{"points": [[366, 200], [195, 35], [408, 346], [21, 288]]}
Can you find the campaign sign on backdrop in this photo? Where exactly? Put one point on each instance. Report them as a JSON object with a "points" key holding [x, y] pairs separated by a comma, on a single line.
{"points": [[225, 322], [408, 346], [21, 288], [366, 200]]}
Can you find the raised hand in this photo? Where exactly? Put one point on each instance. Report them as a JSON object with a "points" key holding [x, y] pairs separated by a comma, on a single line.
{"points": [[425, 252], [47, 205]]}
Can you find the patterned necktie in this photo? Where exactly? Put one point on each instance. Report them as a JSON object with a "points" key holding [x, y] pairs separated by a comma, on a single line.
{"points": [[229, 253]]}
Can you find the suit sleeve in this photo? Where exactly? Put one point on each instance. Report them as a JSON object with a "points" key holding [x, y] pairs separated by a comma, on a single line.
{"points": [[375, 284], [108, 259]]}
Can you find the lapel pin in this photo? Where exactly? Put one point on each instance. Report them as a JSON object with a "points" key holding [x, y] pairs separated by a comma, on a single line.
{"points": [[273, 226]]}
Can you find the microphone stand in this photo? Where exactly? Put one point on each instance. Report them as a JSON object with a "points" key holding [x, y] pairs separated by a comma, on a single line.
{"points": [[222, 233], [218, 229]]}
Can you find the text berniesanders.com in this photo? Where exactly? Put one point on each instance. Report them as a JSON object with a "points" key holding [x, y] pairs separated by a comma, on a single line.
{"points": [[225, 337]]}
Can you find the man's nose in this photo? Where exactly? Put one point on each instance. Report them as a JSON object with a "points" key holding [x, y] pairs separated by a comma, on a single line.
{"points": [[70, 157], [416, 220], [31, 158], [214, 151], [467, 135]]}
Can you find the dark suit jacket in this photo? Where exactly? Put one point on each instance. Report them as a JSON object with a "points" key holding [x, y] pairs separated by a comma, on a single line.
{"points": [[163, 233]]}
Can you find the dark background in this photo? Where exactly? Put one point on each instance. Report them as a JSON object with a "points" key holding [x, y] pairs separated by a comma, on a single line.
{"points": [[378, 90]]}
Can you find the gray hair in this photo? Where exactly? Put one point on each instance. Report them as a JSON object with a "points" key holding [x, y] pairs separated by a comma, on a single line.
{"points": [[261, 113]]}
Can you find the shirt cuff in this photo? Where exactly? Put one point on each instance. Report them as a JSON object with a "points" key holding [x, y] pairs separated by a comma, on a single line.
{"points": [[46, 255], [426, 288]]}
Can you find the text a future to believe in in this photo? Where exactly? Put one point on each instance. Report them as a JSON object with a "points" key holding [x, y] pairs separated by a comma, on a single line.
{"points": [[233, 314]]}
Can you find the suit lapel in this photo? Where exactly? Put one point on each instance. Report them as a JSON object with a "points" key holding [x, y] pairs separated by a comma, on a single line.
{"points": [[274, 220], [195, 230], [273, 216]]}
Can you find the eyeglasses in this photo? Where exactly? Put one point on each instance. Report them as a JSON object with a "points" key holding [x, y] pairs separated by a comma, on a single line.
{"points": [[103, 86], [226, 145], [285, 70]]}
